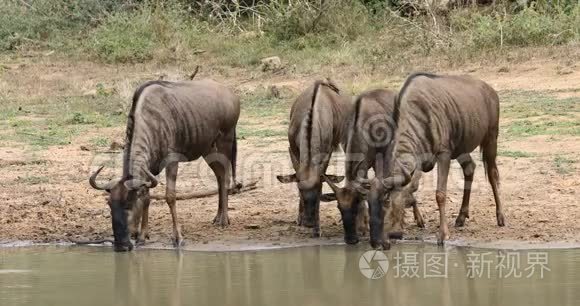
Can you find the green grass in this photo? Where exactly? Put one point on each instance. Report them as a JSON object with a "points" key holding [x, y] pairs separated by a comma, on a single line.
{"points": [[56, 121], [526, 104], [532, 113], [253, 132], [525, 128], [514, 154], [564, 165], [100, 141], [32, 180], [259, 104], [366, 34]]}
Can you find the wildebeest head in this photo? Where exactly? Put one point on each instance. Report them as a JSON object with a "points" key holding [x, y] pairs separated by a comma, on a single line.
{"points": [[349, 199], [381, 191], [124, 196], [309, 186]]}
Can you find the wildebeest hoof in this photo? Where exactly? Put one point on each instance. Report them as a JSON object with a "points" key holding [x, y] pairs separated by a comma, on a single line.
{"points": [[386, 245], [421, 224], [351, 240], [221, 221], [395, 235], [306, 222], [376, 244], [126, 247], [500, 219], [178, 242], [460, 221], [139, 242], [440, 242]]}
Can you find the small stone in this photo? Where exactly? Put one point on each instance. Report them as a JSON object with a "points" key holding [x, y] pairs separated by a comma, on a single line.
{"points": [[274, 92], [84, 148], [565, 70], [116, 146], [252, 226], [272, 63], [503, 69]]}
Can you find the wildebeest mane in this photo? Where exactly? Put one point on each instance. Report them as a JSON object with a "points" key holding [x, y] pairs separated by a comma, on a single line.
{"points": [[131, 121], [397, 108]]}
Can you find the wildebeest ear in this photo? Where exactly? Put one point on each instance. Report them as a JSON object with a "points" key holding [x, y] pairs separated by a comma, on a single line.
{"points": [[335, 178], [362, 186], [328, 197], [134, 184], [362, 189], [287, 178]]}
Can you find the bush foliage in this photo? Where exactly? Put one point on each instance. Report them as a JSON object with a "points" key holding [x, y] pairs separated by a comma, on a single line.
{"points": [[240, 32]]}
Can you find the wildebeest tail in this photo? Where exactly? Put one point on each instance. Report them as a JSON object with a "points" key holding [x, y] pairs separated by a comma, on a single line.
{"points": [[310, 120], [234, 158], [489, 155]]}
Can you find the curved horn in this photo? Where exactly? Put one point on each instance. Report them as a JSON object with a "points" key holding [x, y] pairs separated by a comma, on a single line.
{"points": [[398, 180], [93, 180], [333, 186], [406, 174], [152, 179]]}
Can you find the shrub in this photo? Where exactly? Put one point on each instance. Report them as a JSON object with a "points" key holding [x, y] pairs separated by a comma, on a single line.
{"points": [[48, 23], [163, 31], [124, 37], [346, 19]]}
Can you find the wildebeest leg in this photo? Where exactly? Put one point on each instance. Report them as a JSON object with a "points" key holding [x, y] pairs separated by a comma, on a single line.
{"points": [[489, 155], [135, 222], [417, 214], [316, 219], [144, 232], [171, 174], [220, 164], [302, 220], [468, 167], [443, 161], [362, 219]]}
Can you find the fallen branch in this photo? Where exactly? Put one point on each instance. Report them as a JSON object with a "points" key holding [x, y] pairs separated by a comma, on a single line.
{"points": [[204, 194]]}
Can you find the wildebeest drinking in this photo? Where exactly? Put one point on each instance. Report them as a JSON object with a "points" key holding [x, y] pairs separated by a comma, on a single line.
{"points": [[316, 129], [171, 122], [368, 141], [437, 119]]}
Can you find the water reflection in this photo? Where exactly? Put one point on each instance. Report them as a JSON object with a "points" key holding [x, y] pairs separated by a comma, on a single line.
{"points": [[302, 276]]}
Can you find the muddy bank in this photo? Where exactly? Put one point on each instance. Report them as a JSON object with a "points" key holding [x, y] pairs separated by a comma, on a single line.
{"points": [[244, 246], [45, 196]]}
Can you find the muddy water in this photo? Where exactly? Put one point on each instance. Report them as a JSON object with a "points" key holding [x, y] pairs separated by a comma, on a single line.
{"points": [[328, 275]]}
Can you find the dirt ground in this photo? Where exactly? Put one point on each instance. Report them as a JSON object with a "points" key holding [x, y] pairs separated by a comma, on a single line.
{"points": [[541, 202]]}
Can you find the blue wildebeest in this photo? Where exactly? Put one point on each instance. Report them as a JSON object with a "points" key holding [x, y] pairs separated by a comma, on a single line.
{"points": [[171, 122], [369, 139], [438, 119], [316, 129]]}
